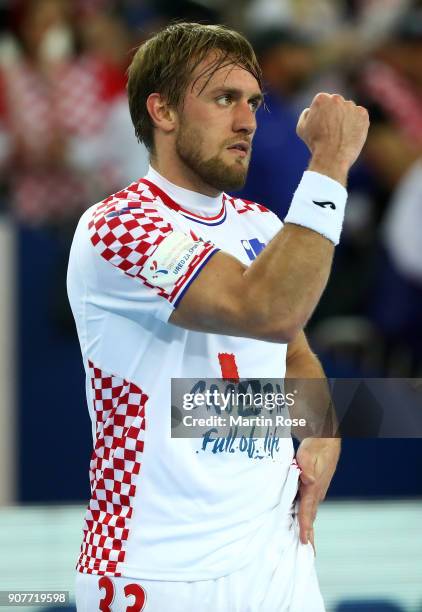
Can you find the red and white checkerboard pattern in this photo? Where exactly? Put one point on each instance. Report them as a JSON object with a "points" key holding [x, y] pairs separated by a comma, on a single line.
{"points": [[128, 227], [115, 464], [242, 206]]}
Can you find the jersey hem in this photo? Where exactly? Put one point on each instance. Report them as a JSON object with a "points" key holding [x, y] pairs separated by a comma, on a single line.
{"points": [[128, 572]]}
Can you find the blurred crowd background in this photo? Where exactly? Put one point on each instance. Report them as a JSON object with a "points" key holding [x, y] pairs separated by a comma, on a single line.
{"points": [[66, 141]]}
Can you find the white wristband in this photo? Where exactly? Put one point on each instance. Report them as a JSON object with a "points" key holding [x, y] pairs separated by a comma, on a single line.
{"points": [[319, 204]]}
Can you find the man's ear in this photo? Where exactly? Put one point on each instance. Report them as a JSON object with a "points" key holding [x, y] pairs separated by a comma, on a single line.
{"points": [[163, 116]]}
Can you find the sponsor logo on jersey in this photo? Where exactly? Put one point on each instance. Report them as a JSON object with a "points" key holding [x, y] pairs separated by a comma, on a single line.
{"points": [[253, 247], [154, 267], [170, 259]]}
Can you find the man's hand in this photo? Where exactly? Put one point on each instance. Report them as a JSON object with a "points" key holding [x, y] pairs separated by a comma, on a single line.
{"points": [[317, 458], [335, 130]]}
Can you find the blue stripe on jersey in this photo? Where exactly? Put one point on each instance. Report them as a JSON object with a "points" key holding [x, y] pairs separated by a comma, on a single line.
{"points": [[194, 275], [203, 222]]}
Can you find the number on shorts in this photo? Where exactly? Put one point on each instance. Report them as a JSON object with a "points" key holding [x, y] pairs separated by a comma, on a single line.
{"points": [[136, 591], [130, 590], [108, 586]]}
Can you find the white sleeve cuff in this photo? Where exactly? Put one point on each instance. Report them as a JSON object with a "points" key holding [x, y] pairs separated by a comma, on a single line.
{"points": [[319, 204]]}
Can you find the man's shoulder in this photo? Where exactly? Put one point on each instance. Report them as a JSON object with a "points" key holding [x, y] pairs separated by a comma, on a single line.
{"points": [[135, 197], [132, 206], [122, 219], [242, 206]]}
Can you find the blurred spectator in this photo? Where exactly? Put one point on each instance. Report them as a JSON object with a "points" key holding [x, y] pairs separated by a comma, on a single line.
{"points": [[402, 233], [106, 39], [364, 280], [328, 19], [374, 19], [376, 274], [115, 151], [393, 79], [389, 152], [396, 304], [316, 18], [56, 107]]}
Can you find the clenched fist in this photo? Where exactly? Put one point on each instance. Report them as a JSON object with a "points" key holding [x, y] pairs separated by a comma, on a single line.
{"points": [[335, 131]]}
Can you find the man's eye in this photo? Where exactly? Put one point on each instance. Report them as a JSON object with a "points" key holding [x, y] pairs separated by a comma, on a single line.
{"points": [[254, 105], [224, 100]]}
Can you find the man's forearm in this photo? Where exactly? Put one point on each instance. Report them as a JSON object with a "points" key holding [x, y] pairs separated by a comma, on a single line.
{"points": [[317, 457], [305, 378], [288, 278], [291, 273], [304, 364]]}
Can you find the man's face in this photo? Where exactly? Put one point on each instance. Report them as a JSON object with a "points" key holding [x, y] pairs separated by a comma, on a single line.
{"points": [[216, 125]]}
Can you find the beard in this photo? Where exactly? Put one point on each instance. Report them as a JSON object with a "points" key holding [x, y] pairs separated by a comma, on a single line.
{"points": [[213, 171]]}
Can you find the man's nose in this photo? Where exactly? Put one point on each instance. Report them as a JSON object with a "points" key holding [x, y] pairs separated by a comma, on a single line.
{"points": [[244, 119]]}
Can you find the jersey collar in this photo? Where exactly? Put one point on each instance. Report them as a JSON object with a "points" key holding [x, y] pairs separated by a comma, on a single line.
{"points": [[198, 207]]}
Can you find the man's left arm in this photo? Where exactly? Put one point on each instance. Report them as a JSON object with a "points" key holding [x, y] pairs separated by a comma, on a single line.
{"points": [[317, 457]]}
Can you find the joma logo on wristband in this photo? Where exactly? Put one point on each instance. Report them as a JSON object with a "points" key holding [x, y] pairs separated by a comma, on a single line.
{"points": [[325, 204]]}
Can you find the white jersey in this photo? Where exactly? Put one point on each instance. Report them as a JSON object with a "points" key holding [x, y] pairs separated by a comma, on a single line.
{"points": [[163, 508]]}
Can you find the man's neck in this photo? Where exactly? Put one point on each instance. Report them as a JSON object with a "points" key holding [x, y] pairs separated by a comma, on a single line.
{"points": [[182, 176], [198, 203]]}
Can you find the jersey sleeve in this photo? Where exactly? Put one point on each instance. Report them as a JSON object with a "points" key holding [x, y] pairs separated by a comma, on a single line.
{"points": [[150, 262], [270, 224], [275, 222], [268, 221]]}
